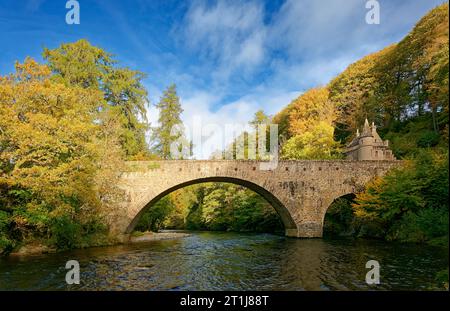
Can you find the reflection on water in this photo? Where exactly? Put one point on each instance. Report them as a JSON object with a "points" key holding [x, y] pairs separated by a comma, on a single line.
{"points": [[231, 261]]}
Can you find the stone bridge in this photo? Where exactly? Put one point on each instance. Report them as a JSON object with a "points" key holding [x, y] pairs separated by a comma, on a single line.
{"points": [[300, 191]]}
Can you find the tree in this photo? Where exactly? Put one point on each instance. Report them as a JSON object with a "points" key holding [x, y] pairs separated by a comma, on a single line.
{"points": [[410, 203], [310, 108], [402, 88], [52, 153], [154, 219], [259, 118], [412, 77], [170, 124], [214, 206], [316, 143], [352, 95], [311, 118], [239, 148], [81, 64], [282, 119]]}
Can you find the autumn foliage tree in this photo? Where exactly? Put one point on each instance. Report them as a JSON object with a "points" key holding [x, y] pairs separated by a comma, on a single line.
{"points": [[311, 127], [404, 90], [411, 203], [53, 146], [83, 65]]}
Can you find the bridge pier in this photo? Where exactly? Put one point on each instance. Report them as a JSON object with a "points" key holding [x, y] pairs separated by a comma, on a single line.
{"points": [[306, 230], [293, 233]]}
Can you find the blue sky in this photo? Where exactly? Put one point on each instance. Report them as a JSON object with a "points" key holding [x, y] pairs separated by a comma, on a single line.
{"points": [[228, 58]]}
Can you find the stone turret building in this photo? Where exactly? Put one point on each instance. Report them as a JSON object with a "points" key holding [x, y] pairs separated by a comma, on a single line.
{"points": [[368, 145]]}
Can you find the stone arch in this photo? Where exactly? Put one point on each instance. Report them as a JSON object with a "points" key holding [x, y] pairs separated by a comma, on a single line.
{"points": [[276, 203]]}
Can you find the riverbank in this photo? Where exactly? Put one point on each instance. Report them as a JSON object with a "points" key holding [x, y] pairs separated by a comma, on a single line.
{"points": [[38, 248], [42, 246], [156, 236], [33, 249]]}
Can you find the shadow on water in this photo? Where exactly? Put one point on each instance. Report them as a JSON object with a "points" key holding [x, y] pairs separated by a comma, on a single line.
{"points": [[231, 261]]}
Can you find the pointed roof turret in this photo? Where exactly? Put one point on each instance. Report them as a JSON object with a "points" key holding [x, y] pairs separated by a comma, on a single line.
{"points": [[374, 132], [366, 124], [366, 129]]}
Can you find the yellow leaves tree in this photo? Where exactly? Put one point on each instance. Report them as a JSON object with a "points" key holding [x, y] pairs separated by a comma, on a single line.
{"points": [[311, 118], [352, 93], [369, 202], [53, 142], [310, 108], [316, 143]]}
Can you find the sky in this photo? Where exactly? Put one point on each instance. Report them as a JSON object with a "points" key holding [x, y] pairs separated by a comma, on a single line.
{"points": [[227, 58]]}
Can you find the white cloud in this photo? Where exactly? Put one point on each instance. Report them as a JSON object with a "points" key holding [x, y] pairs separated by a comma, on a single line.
{"points": [[199, 112], [230, 35], [238, 112], [304, 75], [266, 59], [314, 27]]}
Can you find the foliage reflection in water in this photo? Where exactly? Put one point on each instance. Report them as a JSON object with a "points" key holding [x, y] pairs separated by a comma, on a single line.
{"points": [[232, 261]]}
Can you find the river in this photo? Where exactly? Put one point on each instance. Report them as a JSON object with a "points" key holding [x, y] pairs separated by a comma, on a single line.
{"points": [[231, 261]]}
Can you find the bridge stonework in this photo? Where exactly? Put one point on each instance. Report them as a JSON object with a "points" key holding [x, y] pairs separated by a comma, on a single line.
{"points": [[300, 191]]}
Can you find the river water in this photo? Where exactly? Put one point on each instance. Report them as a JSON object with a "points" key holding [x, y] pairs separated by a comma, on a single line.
{"points": [[231, 261]]}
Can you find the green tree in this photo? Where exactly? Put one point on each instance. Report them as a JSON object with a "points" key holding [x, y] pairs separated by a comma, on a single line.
{"points": [[352, 95], [216, 207], [259, 118], [411, 76], [410, 203], [170, 129], [81, 64], [282, 119], [154, 219], [339, 218], [249, 137]]}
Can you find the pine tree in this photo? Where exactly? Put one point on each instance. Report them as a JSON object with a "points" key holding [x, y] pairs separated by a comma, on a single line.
{"points": [[260, 118], [169, 118]]}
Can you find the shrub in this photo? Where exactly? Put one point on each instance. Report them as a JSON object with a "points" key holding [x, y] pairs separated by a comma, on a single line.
{"points": [[65, 232], [422, 226], [6, 245], [428, 139]]}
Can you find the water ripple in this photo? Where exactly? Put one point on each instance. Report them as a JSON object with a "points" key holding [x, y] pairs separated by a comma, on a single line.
{"points": [[231, 261]]}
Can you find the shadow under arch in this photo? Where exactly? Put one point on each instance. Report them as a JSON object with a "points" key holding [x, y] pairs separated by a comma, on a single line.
{"points": [[349, 197], [282, 211]]}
